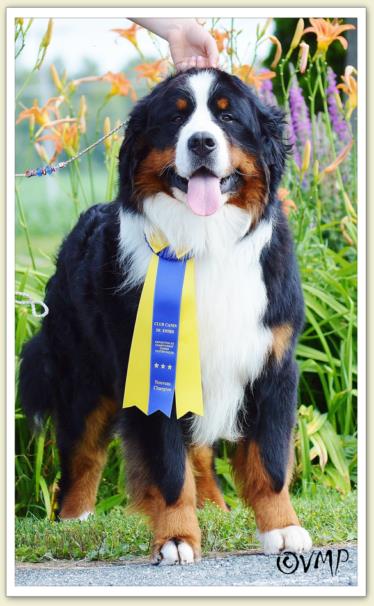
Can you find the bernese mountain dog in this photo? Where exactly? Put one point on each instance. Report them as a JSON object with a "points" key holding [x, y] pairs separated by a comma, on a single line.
{"points": [[200, 164]]}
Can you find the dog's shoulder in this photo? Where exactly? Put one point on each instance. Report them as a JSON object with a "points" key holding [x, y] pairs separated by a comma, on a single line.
{"points": [[281, 275], [93, 226], [88, 249]]}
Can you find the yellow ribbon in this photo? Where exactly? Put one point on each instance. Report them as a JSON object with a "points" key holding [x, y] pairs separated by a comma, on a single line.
{"points": [[188, 390]]}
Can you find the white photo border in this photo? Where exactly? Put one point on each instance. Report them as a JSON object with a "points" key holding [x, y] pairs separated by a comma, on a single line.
{"points": [[155, 591]]}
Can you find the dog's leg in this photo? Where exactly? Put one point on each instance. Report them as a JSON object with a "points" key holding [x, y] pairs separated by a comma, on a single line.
{"points": [[162, 486], [82, 464], [263, 466], [207, 489]]}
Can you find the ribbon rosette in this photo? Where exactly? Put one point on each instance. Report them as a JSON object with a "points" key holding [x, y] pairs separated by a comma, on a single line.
{"points": [[164, 357]]}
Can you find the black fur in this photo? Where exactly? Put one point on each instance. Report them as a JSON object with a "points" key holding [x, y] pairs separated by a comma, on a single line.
{"points": [[82, 350]]}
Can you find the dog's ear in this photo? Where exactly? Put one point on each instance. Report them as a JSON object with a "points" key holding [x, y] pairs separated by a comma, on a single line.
{"points": [[274, 147], [267, 125], [132, 149]]}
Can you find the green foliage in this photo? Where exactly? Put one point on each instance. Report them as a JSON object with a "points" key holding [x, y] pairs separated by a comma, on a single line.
{"points": [[324, 227]]}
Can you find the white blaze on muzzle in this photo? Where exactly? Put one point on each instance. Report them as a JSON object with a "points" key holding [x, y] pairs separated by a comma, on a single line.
{"points": [[204, 195]]}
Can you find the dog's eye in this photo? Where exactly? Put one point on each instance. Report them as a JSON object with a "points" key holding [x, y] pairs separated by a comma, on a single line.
{"points": [[177, 119], [226, 117]]}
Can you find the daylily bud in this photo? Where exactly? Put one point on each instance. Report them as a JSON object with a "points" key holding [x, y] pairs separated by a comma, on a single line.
{"points": [[41, 152], [82, 114], [343, 226], [306, 157], [31, 125], [265, 28], [338, 101], [304, 52], [55, 78], [348, 205], [116, 135], [278, 52], [298, 34], [349, 70], [48, 35], [107, 129], [339, 159]]}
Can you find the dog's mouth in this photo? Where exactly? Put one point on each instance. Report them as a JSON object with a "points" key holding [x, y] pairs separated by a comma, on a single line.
{"points": [[204, 189]]}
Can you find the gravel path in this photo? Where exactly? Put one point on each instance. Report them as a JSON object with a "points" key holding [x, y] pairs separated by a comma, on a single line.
{"points": [[224, 570]]}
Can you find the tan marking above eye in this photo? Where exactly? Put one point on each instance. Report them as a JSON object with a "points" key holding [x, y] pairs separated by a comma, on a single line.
{"points": [[222, 103], [181, 104]]}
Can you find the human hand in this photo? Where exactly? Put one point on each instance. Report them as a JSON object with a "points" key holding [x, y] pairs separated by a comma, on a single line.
{"points": [[191, 45]]}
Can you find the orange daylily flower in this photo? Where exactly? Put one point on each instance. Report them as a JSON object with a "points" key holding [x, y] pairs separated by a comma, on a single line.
{"points": [[41, 115], [327, 32], [120, 85], [65, 137], [220, 38], [153, 72], [288, 205], [251, 77], [349, 86], [129, 33]]}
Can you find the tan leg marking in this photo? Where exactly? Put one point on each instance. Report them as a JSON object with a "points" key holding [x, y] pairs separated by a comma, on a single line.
{"points": [[176, 521], [206, 484], [282, 335], [272, 509], [87, 462]]}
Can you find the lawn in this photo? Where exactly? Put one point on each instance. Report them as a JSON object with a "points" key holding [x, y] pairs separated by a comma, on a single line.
{"points": [[330, 518]]}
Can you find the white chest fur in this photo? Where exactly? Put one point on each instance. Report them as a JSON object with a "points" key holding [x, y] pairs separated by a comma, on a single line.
{"points": [[231, 301]]}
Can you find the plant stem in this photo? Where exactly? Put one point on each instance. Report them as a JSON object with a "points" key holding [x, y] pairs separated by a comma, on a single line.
{"points": [[74, 189], [232, 46], [23, 224], [328, 126], [90, 173]]}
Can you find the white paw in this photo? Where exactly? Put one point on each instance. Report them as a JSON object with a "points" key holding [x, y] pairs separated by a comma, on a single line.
{"points": [[82, 517], [85, 515], [290, 538], [174, 552]]}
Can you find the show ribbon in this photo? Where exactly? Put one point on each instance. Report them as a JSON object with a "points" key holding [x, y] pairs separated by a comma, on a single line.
{"points": [[164, 358]]}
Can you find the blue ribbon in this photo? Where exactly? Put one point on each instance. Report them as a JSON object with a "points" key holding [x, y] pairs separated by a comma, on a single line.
{"points": [[165, 329]]}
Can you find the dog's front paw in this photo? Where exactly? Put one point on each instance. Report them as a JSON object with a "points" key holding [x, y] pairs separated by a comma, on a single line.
{"points": [[174, 552], [290, 538]]}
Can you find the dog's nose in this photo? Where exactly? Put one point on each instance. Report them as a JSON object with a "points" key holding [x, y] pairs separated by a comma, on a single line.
{"points": [[202, 143]]}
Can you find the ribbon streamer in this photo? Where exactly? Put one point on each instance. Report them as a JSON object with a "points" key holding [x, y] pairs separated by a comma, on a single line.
{"points": [[164, 358]]}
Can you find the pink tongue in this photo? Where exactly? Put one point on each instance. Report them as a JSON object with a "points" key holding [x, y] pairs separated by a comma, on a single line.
{"points": [[204, 194]]}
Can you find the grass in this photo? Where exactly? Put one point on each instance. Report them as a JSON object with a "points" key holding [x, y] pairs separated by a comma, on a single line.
{"points": [[330, 518]]}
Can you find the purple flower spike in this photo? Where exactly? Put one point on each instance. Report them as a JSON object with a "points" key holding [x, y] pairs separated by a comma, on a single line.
{"points": [[266, 92], [300, 121], [338, 122]]}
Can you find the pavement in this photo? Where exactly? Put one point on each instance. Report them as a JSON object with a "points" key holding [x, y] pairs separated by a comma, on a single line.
{"points": [[333, 566]]}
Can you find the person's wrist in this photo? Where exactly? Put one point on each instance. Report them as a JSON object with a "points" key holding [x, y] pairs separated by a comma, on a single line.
{"points": [[178, 27]]}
